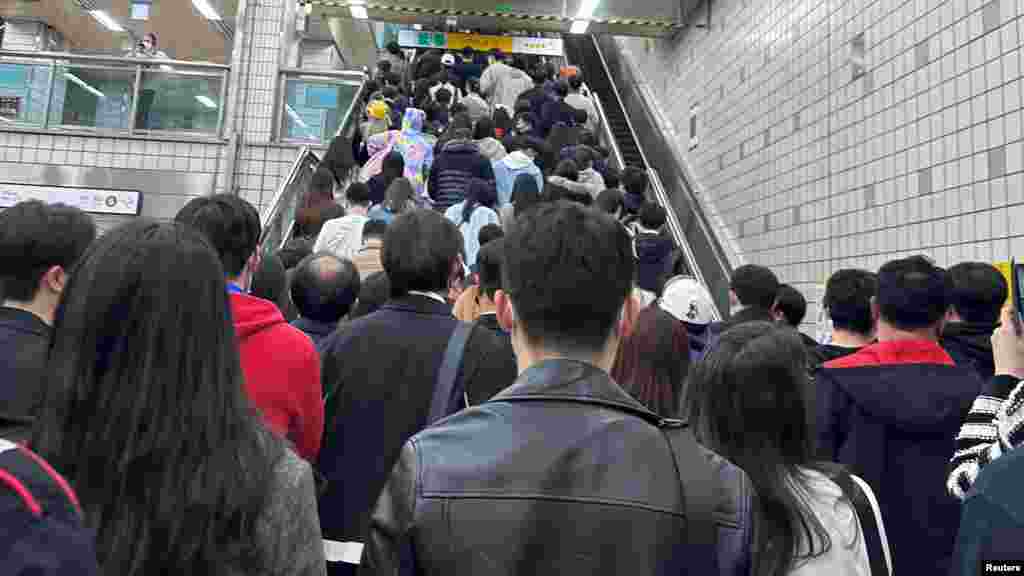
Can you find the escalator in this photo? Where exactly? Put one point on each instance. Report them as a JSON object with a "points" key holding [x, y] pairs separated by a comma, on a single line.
{"points": [[636, 138]]}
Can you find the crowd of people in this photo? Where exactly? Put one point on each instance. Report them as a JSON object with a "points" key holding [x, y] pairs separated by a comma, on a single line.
{"points": [[495, 363]]}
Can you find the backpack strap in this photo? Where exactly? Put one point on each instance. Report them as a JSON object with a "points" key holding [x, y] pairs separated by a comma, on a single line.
{"points": [[700, 498], [870, 516], [26, 474], [446, 398]]}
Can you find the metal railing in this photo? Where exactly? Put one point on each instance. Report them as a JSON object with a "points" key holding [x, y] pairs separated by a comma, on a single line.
{"points": [[61, 91], [315, 104]]}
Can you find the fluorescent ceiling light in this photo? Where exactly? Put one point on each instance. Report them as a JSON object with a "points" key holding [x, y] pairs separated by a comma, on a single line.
{"points": [[587, 8], [417, 26], [167, 68], [85, 86], [206, 10], [579, 26], [105, 19], [358, 11], [207, 101]]}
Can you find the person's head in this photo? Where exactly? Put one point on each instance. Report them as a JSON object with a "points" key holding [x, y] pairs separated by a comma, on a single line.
{"points": [[394, 49], [443, 97], [473, 86], [753, 286], [398, 197], [484, 129], [294, 251], [550, 70], [374, 291], [321, 185], [611, 178], [913, 296], [339, 159], [575, 82], [524, 122], [688, 301], [489, 233], [358, 195], [634, 180], [145, 397], [979, 293], [423, 251], [468, 54], [579, 117], [652, 216], [525, 193], [393, 165], [150, 42], [378, 111], [561, 89], [609, 201], [461, 126], [748, 401], [653, 361], [489, 262], [479, 193], [538, 76], [384, 67], [568, 169], [567, 274], [270, 281], [374, 230], [309, 221], [790, 306], [448, 60], [584, 157], [372, 87], [39, 246], [848, 297], [324, 287], [232, 226]]}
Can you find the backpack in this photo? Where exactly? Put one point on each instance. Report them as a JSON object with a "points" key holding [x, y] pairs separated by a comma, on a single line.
{"points": [[41, 530]]}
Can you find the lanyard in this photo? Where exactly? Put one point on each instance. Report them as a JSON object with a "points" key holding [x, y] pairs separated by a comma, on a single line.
{"points": [[235, 288]]}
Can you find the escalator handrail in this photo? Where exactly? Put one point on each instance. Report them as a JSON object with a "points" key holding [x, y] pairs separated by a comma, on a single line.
{"points": [[606, 132], [618, 98], [279, 197]]}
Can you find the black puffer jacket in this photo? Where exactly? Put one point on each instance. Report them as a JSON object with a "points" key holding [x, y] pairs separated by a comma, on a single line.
{"points": [[560, 473], [970, 344]]}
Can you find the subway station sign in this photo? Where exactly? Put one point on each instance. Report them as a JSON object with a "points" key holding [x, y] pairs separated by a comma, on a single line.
{"points": [[480, 42], [94, 200]]}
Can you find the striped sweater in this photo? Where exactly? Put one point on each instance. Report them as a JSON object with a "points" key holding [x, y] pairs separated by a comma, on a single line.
{"points": [[994, 426]]}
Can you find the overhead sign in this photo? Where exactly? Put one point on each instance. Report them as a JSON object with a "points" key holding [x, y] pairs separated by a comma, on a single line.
{"points": [[480, 42], [95, 200]]}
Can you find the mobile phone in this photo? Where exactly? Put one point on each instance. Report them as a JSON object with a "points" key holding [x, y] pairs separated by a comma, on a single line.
{"points": [[1017, 293]]}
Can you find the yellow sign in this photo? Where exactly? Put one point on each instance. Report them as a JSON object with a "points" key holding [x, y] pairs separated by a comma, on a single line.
{"points": [[479, 43], [1004, 269]]}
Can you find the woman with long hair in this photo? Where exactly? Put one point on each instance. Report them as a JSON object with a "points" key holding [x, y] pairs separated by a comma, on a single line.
{"points": [[525, 195], [146, 415], [747, 400], [397, 199], [484, 137], [653, 361], [473, 213]]}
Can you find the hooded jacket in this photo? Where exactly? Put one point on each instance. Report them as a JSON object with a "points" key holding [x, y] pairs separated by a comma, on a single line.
{"points": [[502, 84], [654, 260], [891, 413], [970, 344], [415, 147], [282, 372], [491, 148], [458, 163], [24, 345], [506, 170]]}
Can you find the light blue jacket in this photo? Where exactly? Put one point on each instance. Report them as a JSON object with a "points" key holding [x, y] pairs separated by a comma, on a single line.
{"points": [[481, 216], [506, 170]]}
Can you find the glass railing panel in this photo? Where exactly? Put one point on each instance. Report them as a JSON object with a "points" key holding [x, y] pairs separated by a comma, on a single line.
{"points": [[23, 90], [314, 108], [280, 218], [97, 97], [179, 101]]}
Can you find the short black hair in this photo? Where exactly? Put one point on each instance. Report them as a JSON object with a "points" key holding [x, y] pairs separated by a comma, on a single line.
{"points": [[848, 295], [580, 116], [549, 257], [443, 96], [609, 201], [294, 251], [792, 304], [913, 293], [384, 66], [484, 128], [634, 180], [324, 287], [270, 280], [373, 293], [35, 237], [754, 286], [979, 292], [393, 163], [489, 233], [611, 177], [561, 88], [576, 81], [229, 223], [489, 262], [374, 229], [358, 193], [419, 248], [584, 156], [652, 216]]}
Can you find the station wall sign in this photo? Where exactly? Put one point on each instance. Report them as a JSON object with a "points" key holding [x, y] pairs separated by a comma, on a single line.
{"points": [[93, 200], [480, 42]]}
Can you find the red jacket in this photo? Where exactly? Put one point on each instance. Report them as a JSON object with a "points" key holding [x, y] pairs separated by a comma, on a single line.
{"points": [[282, 372]]}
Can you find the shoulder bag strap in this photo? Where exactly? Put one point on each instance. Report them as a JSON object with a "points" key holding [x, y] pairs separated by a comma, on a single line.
{"points": [[446, 398], [700, 498], [870, 517]]}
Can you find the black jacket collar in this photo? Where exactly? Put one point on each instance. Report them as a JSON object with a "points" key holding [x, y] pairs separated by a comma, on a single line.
{"points": [[23, 321], [418, 304], [572, 381]]}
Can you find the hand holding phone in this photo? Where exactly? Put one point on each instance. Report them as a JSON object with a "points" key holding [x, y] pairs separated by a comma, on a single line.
{"points": [[1016, 295], [1008, 345]]}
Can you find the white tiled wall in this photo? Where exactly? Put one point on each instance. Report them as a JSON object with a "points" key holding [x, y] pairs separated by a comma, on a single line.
{"points": [[813, 170]]}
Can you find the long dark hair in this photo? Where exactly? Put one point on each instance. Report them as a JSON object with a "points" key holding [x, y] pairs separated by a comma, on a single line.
{"points": [[653, 361], [747, 401], [525, 194], [478, 193], [145, 411]]}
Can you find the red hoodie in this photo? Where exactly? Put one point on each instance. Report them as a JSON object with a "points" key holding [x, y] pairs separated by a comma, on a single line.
{"points": [[282, 372]]}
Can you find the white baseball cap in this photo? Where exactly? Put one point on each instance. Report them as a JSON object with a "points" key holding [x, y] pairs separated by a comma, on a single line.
{"points": [[448, 60], [687, 301]]}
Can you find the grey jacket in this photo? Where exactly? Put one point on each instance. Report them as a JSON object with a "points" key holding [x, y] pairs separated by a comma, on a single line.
{"points": [[290, 528]]}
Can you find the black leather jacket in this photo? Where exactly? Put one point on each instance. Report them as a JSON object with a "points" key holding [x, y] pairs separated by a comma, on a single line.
{"points": [[561, 473]]}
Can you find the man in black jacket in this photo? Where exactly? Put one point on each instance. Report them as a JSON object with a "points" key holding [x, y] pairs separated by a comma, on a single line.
{"points": [[39, 244], [380, 371], [563, 472], [979, 292]]}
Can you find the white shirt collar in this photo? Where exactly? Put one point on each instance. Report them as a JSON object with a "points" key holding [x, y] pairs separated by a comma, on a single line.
{"points": [[431, 295]]}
